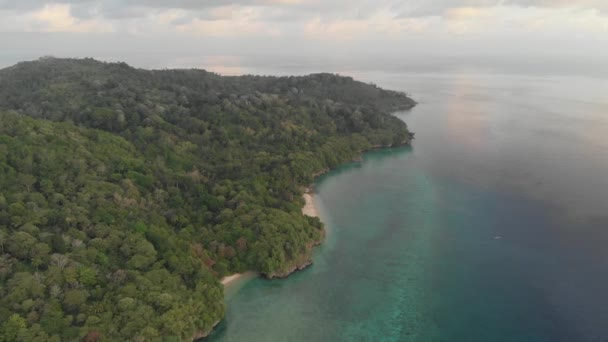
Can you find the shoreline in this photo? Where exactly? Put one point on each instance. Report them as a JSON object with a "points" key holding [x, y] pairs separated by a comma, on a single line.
{"points": [[231, 279], [309, 208]]}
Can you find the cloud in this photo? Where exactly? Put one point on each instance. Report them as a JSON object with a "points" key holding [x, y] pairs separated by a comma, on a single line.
{"points": [[462, 13], [294, 26], [381, 24], [442, 8], [57, 18], [302, 11]]}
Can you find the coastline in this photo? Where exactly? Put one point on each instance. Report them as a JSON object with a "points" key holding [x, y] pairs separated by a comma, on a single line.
{"points": [[309, 209], [303, 260], [230, 282]]}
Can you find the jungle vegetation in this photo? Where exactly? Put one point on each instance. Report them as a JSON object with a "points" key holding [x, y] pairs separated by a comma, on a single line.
{"points": [[125, 194]]}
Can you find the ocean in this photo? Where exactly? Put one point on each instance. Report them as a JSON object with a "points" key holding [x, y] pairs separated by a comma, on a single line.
{"points": [[492, 226]]}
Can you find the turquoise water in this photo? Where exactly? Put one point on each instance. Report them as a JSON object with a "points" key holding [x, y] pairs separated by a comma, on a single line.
{"points": [[493, 226]]}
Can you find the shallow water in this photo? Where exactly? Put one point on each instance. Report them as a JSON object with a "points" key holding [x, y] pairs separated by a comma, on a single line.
{"points": [[493, 226]]}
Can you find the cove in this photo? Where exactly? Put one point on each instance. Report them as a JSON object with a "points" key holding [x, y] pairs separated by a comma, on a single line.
{"points": [[489, 228], [387, 269]]}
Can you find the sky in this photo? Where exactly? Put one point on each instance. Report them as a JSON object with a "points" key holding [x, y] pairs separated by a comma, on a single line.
{"points": [[230, 36]]}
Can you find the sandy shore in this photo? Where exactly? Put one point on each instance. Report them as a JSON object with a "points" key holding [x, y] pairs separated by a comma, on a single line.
{"points": [[309, 208], [232, 278]]}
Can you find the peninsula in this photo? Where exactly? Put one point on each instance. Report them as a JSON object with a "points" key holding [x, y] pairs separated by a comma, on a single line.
{"points": [[127, 194]]}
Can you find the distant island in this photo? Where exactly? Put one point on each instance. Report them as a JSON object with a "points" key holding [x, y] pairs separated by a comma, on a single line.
{"points": [[127, 194]]}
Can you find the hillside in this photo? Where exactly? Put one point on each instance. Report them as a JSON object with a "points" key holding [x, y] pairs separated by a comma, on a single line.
{"points": [[125, 194]]}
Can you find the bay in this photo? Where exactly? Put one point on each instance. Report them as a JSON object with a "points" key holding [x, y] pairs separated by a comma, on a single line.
{"points": [[493, 226]]}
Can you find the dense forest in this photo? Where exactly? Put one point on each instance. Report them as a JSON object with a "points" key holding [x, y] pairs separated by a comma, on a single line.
{"points": [[126, 194]]}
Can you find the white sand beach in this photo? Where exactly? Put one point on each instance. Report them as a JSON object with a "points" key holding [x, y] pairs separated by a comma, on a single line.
{"points": [[309, 208], [233, 278]]}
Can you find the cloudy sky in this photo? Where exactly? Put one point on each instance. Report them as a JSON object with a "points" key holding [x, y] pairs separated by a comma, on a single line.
{"points": [[222, 35]]}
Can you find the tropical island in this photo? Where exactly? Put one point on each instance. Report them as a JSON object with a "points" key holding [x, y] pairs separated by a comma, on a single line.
{"points": [[127, 194]]}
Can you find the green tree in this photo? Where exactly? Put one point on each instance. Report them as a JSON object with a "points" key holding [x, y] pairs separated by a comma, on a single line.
{"points": [[13, 328], [21, 244]]}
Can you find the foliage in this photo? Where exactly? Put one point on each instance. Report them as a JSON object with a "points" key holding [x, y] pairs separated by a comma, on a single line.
{"points": [[125, 194]]}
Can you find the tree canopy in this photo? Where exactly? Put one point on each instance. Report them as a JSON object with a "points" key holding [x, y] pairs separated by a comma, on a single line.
{"points": [[125, 194]]}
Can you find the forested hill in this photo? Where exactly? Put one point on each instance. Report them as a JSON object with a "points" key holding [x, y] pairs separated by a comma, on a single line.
{"points": [[125, 194], [49, 80]]}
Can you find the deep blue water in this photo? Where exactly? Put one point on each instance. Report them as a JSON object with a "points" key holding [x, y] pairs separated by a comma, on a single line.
{"points": [[493, 226]]}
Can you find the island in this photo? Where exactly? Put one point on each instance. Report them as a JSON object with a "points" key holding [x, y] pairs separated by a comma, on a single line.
{"points": [[126, 194]]}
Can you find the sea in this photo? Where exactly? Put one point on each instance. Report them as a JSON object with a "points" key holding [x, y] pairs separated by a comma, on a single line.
{"points": [[492, 226]]}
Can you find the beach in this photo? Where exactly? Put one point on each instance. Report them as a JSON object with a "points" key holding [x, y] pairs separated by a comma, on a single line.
{"points": [[309, 208], [231, 279]]}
